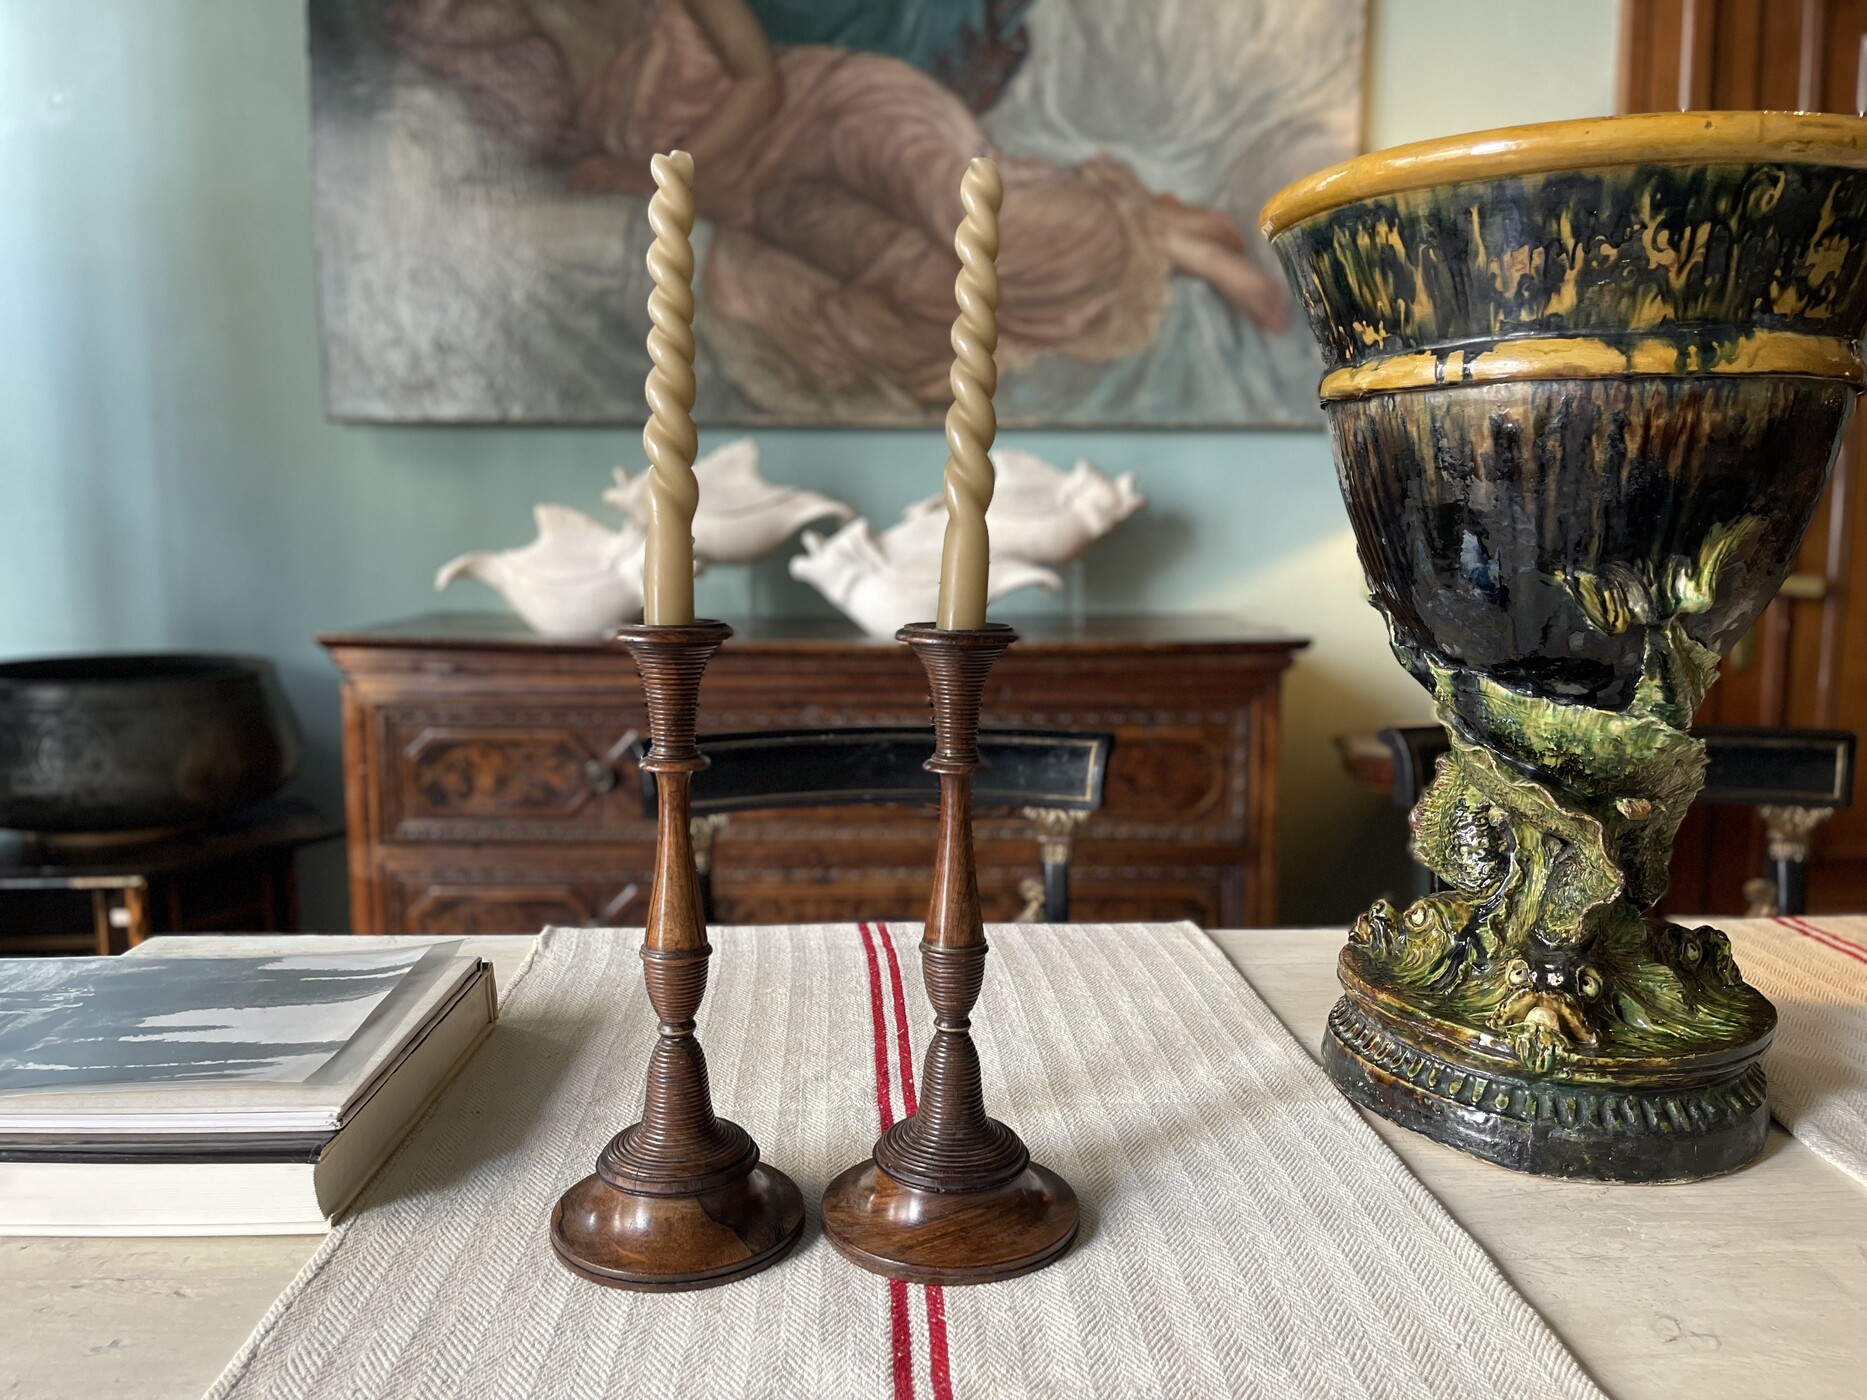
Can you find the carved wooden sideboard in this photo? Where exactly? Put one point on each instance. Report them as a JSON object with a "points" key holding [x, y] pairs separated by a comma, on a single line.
{"points": [[489, 786]]}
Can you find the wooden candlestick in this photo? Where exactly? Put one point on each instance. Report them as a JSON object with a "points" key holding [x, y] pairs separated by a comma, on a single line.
{"points": [[951, 1195], [680, 1199]]}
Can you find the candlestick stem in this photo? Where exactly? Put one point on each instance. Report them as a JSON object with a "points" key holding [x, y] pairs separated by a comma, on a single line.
{"points": [[950, 1195], [680, 1199]]}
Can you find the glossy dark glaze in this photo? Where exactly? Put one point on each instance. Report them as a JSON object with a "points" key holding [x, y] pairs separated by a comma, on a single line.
{"points": [[1582, 1131], [1470, 499], [1473, 503]]}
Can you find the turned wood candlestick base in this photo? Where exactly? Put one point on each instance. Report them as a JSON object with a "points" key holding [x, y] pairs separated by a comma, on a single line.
{"points": [[680, 1199], [951, 1195]]}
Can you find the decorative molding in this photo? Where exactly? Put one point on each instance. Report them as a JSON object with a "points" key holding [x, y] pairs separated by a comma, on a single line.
{"points": [[1566, 1103], [1791, 830]]}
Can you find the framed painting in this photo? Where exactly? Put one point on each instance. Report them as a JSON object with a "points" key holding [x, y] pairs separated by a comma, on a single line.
{"points": [[481, 173]]}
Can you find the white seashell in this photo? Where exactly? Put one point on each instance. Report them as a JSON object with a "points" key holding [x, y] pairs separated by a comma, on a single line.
{"points": [[882, 582], [577, 579], [742, 517], [913, 544], [1043, 513]]}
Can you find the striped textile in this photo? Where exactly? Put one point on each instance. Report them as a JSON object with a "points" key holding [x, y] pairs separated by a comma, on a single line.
{"points": [[1245, 1233], [1815, 970]]}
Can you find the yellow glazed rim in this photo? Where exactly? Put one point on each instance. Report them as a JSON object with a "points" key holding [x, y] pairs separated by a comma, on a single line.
{"points": [[1650, 138], [1761, 352]]}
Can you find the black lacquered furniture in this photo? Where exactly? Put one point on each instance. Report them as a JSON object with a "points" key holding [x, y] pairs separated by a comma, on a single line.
{"points": [[1795, 778], [1054, 779], [99, 894]]}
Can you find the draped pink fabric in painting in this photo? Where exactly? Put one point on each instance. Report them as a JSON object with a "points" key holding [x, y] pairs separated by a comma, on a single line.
{"points": [[830, 267]]}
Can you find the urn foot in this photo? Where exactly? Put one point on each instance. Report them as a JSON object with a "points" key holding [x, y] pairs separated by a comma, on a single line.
{"points": [[1631, 1119]]}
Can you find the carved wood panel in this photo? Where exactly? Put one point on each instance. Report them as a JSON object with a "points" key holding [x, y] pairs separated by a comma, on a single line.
{"points": [[453, 901], [1165, 896], [486, 792], [508, 775], [495, 773], [1172, 772], [467, 909]]}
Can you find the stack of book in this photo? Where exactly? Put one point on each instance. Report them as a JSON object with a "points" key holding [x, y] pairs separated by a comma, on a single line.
{"points": [[220, 1095]]}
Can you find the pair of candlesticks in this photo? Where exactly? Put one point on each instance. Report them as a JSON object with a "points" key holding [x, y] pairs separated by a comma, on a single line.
{"points": [[949, 1195], [680, 1199]]}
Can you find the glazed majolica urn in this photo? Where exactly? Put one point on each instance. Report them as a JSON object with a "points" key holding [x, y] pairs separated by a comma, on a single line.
{"points": [[1585, 383]]}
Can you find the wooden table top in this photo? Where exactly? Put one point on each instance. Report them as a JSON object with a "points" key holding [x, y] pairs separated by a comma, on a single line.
{"points": [[1748, 1285]]}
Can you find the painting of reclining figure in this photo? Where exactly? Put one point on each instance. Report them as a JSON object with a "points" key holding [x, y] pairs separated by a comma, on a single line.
{"points": [[482, 181]]}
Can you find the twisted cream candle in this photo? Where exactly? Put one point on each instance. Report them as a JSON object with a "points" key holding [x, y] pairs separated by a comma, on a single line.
{"points": [[972, 423], [669, 438]]}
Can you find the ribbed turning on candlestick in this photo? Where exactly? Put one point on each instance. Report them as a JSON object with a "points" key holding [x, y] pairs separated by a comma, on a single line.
{"points": [[951, 1144], [950, 1195], [679, 1199]]}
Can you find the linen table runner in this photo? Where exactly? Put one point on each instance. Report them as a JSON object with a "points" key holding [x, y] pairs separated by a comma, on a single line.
{"points": [[1815, 970], [1244, 1231]]}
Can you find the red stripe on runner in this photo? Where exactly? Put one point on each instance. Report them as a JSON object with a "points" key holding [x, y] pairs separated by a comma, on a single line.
{"points": [[939, 1362], [904, 1048], [1834, 942], [884, 1097], [940, 1367], [901, 1341]]}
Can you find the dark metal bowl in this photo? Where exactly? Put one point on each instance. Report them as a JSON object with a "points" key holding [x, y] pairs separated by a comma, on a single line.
{"points": [[109, 743]]}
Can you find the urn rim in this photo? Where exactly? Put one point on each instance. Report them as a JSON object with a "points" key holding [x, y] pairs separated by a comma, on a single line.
{"points": [[1647, 138]]}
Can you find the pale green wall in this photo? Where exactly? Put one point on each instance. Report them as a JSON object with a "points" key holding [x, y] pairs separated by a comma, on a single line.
{"points": [[167, 478]]}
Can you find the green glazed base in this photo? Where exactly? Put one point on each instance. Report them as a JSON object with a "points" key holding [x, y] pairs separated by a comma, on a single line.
{"points": [[1694, 1120]]}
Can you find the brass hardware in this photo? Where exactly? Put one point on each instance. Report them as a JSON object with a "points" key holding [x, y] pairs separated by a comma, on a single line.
{"points": [[1791, 830], [601, 773], [1031, 891], [1760, 900], [701, 831], [1056, 831]]}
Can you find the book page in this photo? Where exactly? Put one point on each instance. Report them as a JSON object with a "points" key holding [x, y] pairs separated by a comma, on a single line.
{"points": [[75, 1023]]}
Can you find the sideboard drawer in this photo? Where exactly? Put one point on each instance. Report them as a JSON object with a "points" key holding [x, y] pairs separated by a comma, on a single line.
{"points": [[520, 891], [470, 773], [489, 782], [1186, 771]]}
